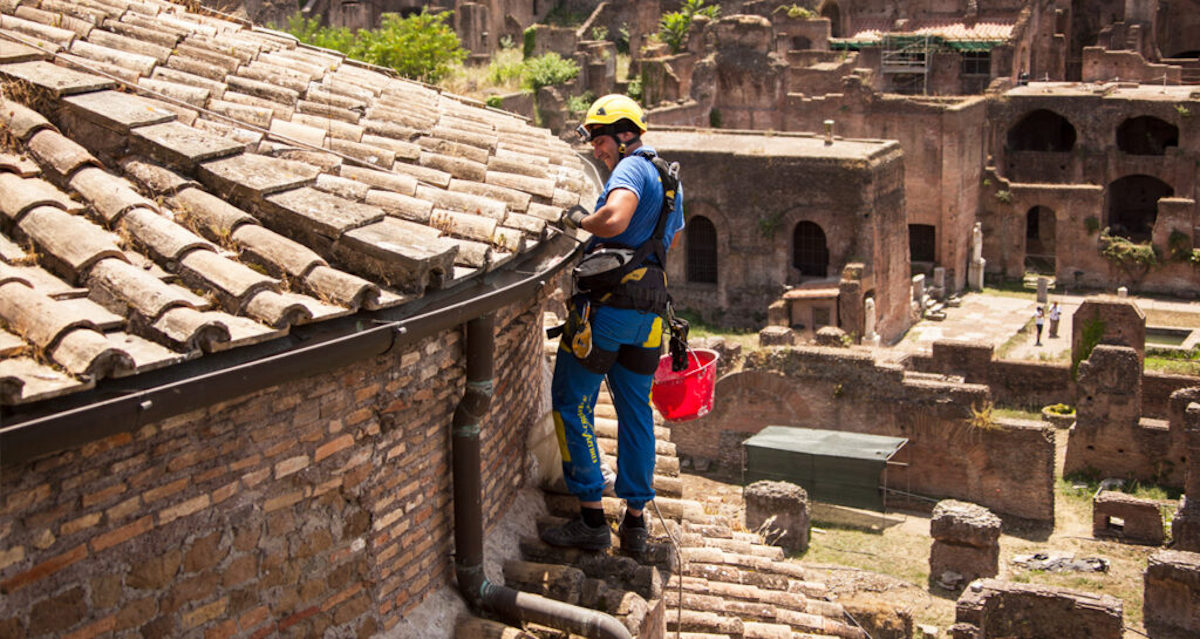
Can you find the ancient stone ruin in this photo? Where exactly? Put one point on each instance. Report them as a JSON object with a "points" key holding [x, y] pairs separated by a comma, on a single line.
{"points": [[1172, 595], [780, 510], [993, 608], [1127, 518], [965, 544]]}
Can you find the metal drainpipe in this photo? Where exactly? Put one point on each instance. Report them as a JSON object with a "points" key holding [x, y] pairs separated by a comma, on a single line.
{"points": [[511, 604]]}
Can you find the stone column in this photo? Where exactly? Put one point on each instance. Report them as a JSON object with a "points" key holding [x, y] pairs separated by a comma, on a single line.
{"points": [[1108, 408], [781, 508], [1043, 289], [976, 267], [869, 336]]}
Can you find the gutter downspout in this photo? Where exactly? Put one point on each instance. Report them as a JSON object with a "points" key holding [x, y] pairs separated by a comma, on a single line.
{"points": [[468, 510]]}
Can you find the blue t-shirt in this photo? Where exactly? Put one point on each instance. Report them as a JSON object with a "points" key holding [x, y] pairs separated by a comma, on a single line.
{"points": [[637, 174]]}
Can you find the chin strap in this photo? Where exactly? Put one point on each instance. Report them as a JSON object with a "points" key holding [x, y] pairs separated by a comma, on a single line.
{"points": [[621, 146]]}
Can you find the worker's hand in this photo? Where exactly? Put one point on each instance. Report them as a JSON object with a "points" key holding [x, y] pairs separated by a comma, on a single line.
{"points": [[573, 217]]}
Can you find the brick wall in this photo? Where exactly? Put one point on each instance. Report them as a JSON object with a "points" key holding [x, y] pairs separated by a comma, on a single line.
{"points": [[1008, 467], [321, 505]]}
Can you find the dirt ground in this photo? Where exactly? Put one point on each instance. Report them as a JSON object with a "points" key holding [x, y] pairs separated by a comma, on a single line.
{"points": [[890, 565]]}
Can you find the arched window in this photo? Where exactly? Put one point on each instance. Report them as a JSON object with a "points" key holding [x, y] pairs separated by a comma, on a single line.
{"points": [[1146, 135], [922, 242], [831, 10], [701, 237], [1042, 130], [1133, 205], [809, 253]]}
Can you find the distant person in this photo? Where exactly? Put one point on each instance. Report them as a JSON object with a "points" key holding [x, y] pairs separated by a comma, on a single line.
{"points": [[1055, 315], [1039, 318]]}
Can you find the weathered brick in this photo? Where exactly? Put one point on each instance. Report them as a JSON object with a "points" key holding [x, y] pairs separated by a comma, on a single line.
{"points": [[185, 592], [124, 509], [122, 534], [283, 501], [81, 523], [205, 613], [44, 569], [290, 465], [94, 448], [255, 478], [191, 506], [224, 492], [94, 629], [298, 617], [253, 617], [279, 448], [154, 494], [211, 474], [103, 495], [245, 462], [334, 446], [58, 613]]}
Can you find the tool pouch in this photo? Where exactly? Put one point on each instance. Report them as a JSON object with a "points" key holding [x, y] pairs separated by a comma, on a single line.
{"points": [[678, 346]]}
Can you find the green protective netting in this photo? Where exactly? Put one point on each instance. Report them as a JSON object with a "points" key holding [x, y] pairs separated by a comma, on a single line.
{"points": [[832, 466], [935, 42]]}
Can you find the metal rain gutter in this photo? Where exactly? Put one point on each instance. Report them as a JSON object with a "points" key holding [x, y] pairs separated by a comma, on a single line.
{"points": [[510, 604], [29, 432]]}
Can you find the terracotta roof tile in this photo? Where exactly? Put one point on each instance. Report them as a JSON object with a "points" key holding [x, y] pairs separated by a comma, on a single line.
{"points": [[190, 48], [321, 94], [24, 380], [18, 164], [118, 111], [535, 186], [216, 88], [89, 353], [378, 156], [400, 149], [182, 61], [335, 128], [421, 121], [69, 245], [124, 286], [23, 194], [109, 196], [36, 30], [145, 354], [453, 149], [277, 254], [399, 205], [463, 202], [403, 184], [273, 74], [178, 145], [80, 26], [161, 239], [329, 110], [422, 173], [253, 115], [21, 120], [277, 110], [106, 38], [37, 317], [188, 93], [456, 167], [154, 178], [514, 199], [184, 328], [265, 90], [143, 65], [464, 225], [250, 175], [288, 60], [473, 255], [278, 311], [160, 36], [81, 10], [315, 218], [107, 69], [340, 84], [342, 288], [234, 283], [343, 187], [404, 255], [247, 139]]}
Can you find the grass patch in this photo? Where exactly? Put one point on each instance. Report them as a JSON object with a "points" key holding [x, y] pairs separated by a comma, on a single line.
{"points": [[1017, 413], [1172, 365], [748, 339], [905, 558], [1016, 340]]}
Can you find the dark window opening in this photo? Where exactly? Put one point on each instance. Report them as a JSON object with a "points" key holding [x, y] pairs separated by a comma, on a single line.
{"points": [[820, 316], [1195, 53], [834, 13], [1031, 224], [1042, 130], [922, 242], [1147, 135], [1133, 205], [977, 63], [1039, 240], [701, 237], [801, 43], [809, 252]]}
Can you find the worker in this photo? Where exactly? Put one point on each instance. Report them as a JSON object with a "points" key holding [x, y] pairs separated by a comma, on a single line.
{"points": [[615, 325]]}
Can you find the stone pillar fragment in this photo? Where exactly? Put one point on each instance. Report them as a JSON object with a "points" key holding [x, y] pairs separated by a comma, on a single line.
{"points": [[783, 508], [1185, 528], [966, 543], [1171, 598]]}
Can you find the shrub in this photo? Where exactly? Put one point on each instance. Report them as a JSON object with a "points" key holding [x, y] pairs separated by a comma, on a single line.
{"points": [[796, 11], [1004, 196], [548, 70], [1179, 246], [421, 46], [673, 27], [1130, 257], [580, 103], [1091, 224], [1061, 409]]}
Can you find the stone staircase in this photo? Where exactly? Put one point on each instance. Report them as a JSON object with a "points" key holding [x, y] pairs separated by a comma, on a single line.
{"points": [[721, 582]]}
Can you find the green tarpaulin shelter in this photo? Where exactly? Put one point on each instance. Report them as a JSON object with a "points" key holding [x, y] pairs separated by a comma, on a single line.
{"points": [[848, 469]]}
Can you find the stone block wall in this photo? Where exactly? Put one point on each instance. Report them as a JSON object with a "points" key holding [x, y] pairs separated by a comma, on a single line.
{"points": [[1127, 518], [997, 608], [1007, 467], [1171, 604], [322, 505], [966, 542]]}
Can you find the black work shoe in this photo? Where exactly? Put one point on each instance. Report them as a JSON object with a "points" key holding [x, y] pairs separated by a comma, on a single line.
{"points": [[633, 538], [577, 534]]}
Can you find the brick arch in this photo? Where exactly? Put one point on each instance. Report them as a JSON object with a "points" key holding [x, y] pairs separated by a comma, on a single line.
{"points": [[1041, 130], [830, 9], [1147, 135], [1133, 205]]}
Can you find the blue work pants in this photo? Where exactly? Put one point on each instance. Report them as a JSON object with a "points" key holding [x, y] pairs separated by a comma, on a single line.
{"points": [[573, 394]]}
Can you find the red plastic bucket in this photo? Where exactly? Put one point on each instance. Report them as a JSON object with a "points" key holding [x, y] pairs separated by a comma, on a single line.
{"points": [[688, 394]]}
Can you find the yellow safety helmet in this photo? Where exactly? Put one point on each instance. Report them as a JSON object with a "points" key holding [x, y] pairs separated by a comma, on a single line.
{"points": [[610, 110]]}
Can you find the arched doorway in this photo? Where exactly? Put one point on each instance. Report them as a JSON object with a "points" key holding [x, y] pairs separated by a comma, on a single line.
{"points": [[810, 254], [701, 238], [1147, 135], [1039, 240], [1041, 130], [831, 10], [1133, 205]]}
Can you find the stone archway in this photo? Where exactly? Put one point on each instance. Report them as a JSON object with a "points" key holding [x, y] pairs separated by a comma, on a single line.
{"points": [[1147, 135], [830, 9], [1133, 205], [1041, 130], [810, 252]]}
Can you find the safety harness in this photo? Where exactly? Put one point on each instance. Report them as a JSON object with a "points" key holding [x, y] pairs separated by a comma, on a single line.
{"points": [[621, 276]]}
